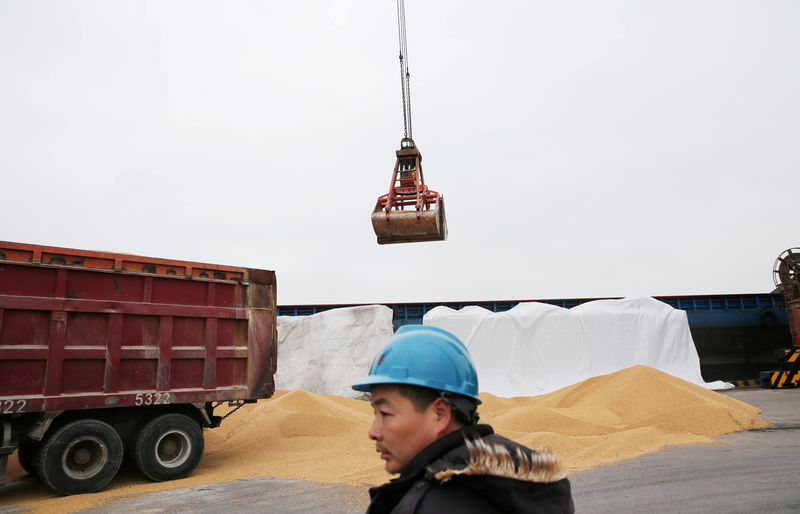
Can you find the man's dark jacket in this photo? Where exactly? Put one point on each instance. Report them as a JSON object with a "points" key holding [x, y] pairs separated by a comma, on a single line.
{"points": [[476, 470]]}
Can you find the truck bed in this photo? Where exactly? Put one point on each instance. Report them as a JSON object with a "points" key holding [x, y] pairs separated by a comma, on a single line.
{"points": [[85, 329]]}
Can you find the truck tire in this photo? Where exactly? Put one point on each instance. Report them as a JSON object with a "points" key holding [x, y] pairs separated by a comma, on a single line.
{"points": [[168, 447], [80, 457], [26, 453]]}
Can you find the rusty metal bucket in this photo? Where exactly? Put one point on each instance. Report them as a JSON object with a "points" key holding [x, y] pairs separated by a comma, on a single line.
{"points": [[409, 226], [409, 212]]}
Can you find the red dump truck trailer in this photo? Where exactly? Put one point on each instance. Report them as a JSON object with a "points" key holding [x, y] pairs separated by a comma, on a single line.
{"points": [[107, 355]]}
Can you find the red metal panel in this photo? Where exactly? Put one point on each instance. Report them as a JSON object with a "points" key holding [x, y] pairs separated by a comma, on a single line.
{"points": [[226, 332], [82, 329], [24, 327], [147, 294], [137, 374], [61, 304], [22, 252], [27, 280], [139, 331], [87, 285], [86, 329], [235, 352], [87, 353], [55, 357], [61, 283], [164, 353], [179, 292], [82, 374], [227, 371], [133, 398], [186, 372], [210, 368], [112, 371], [259, 377], [189, 352], [22, 376], [11, 253], [238, 295], [27, 352], [225, 294]]}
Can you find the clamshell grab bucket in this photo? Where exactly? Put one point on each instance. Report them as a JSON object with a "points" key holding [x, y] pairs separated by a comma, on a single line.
{"points": [[409, 226], [410, 212]]}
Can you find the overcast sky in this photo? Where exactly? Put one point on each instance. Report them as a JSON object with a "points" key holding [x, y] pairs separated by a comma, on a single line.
{"points": [[585, 148]]}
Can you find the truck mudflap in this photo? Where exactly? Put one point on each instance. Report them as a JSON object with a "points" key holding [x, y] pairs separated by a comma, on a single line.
{"points": [[6, 449]]}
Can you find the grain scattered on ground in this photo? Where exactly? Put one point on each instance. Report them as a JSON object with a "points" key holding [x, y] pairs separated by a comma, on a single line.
{"points": [[303, 436]]}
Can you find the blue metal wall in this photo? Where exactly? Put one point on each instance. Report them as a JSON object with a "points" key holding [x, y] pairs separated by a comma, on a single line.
{"points": [[744, 310]]}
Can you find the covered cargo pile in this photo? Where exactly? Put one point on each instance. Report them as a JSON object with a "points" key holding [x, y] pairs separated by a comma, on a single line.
{"points": [[537, 348], [326, 352], [532, 349]]}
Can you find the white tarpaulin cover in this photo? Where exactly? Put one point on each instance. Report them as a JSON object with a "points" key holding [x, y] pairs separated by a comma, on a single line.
{"points": [[537, 348], [327, 352]]}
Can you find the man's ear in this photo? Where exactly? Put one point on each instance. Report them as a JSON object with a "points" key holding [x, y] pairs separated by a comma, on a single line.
{"points": [[444, 416]]}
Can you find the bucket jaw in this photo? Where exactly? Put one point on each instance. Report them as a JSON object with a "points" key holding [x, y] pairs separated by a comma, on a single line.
{"points": [[409, 226], [410, 212]]}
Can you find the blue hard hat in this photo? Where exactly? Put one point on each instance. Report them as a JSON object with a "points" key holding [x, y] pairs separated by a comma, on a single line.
{"points": [[424, 356]]}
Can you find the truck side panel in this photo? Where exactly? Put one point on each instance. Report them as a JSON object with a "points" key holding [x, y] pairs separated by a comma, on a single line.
{"points": [[82, 329]]}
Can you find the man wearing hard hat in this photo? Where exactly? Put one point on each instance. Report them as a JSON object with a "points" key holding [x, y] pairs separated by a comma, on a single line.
{"points": [[424, 392]]}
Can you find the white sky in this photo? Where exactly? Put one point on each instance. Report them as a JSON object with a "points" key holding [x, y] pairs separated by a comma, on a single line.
{"points": [[584, 148]]}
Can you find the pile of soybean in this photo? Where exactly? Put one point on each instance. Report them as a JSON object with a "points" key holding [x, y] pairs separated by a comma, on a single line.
{"points": [[303, 436]]}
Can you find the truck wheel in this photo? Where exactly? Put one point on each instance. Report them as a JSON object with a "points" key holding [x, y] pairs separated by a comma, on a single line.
{"points": [[80, 457], [26, 453], [168, 447]]}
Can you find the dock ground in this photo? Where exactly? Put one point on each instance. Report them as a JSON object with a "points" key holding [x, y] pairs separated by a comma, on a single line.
{"points": [[747, 472], [752, 471]]}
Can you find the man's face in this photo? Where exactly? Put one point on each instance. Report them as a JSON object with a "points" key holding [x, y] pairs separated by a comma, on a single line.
{"points": [[400, 432]]}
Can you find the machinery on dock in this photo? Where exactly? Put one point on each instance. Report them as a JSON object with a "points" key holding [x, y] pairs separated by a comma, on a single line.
{"points": [[409, 212], [786, 274]]}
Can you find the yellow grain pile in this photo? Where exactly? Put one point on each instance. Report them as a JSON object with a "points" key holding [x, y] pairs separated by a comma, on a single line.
{"points": [[303, 436]]}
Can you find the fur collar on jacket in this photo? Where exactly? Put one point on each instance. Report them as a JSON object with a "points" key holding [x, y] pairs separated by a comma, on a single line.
{"points": [[498, 458]]}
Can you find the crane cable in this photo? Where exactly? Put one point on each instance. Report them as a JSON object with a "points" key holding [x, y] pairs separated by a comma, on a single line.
{"points": [[405, 76]]}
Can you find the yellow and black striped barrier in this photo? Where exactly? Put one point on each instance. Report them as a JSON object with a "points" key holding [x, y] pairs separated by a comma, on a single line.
{"points": [[789, 374]]}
